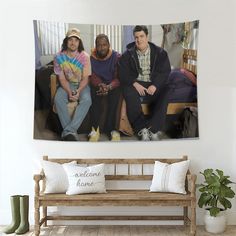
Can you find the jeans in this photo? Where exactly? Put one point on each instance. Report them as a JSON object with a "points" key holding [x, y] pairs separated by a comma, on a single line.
{"points": [[71, 124]]}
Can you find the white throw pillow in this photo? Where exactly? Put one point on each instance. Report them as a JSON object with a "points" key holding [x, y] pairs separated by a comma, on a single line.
{"points": [[169, 177], [89, 179], [56, 178]]}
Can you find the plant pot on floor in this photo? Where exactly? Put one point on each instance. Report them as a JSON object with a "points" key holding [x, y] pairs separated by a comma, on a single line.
{"points": [[215, 224], [215, 194]]}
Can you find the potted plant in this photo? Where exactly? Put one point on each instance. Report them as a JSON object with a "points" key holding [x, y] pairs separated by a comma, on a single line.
{"points": [[215, 192]]}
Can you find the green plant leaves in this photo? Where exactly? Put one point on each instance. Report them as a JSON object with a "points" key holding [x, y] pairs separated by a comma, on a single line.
{"points": [[215, 191], [220, 173], [225, 203], [214, 211], [226, 191], [204, 199]]}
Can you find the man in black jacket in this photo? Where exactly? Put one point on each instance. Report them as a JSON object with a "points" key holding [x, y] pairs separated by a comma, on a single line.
{"points": [[144, 69]]}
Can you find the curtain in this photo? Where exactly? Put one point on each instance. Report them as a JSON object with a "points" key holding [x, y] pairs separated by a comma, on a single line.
{"points": [[50, 36], [38, 52], [114, 33], [127, 36]]}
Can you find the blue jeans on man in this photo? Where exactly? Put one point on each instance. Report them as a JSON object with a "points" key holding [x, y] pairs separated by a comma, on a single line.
{"points": [[69, 124]]}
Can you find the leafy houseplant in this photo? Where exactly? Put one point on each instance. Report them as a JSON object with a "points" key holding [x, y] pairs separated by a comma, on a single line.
{"points": [[215, 191]]}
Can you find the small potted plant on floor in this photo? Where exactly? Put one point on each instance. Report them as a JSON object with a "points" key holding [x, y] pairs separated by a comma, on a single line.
{"points": [[215, 192]]}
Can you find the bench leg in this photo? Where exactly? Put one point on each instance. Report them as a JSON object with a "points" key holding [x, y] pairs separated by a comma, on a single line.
{"points": [[185, 216], [193, 219], [45, 216], [36, 221]]}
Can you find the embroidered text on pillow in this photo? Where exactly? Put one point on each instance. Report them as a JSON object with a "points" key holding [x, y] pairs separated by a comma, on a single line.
{"points": [[90, 179]]}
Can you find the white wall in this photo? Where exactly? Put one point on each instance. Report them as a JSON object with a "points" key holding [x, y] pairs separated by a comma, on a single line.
{"points": [[20, 154]]}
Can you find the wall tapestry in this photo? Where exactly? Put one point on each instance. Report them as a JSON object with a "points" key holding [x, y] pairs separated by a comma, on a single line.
{"points": [[115, 83]]}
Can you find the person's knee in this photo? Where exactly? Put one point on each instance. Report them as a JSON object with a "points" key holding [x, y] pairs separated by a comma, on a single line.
{"points": [[86, 100], [129, 92]]}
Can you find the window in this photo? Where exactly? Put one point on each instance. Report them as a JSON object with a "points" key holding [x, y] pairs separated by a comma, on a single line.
{"points": [[114, 33], [51, 35]]}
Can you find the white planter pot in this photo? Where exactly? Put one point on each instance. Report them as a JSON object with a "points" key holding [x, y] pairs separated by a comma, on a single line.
{"points": [[215, 224]]}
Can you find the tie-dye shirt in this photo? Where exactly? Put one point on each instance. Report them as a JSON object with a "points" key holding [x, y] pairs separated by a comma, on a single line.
{"points": [[74, 68]]}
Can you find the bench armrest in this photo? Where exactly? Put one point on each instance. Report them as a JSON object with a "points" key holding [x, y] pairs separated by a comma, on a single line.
{"points": [[192, 184], [37, 179], [53, 85]]}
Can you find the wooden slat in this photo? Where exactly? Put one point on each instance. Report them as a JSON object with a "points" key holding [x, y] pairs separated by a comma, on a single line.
{"points": [[163, 202], [126, 230], [174, 108], [117, 194], [189, 60], [43, 220], [53, 85], [116, 161], [169, 217]]}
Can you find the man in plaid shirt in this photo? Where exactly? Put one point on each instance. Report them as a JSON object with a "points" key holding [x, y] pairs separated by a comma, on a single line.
{"points": [[144, 69]]}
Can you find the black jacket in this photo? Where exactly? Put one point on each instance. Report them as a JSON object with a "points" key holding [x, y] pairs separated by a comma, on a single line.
{"points": [[129, 67]]}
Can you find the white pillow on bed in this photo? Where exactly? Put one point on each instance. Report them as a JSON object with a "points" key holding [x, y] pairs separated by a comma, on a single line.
{"points": [[89, 179], [56, 178], [169, 177]]}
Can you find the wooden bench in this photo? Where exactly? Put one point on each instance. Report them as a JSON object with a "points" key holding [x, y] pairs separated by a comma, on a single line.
{"points": [[118, 197]]}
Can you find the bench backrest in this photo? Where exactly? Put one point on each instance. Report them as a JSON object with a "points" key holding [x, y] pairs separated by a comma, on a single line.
{"points": [[189, 60], [127, 164]]}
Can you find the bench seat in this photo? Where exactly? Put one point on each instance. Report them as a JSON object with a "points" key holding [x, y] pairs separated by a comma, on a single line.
{"points": [[118, 197]]}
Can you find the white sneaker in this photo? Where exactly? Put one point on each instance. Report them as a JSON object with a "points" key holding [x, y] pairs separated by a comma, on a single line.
{"points": [[156, 136], [144, 133]]}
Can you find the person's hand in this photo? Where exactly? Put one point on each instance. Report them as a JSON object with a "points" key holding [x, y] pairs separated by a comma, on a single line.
{"points": [[74, 96], [99, 92], [141, 90], [105, 89], [151, 89], [102, 89]]}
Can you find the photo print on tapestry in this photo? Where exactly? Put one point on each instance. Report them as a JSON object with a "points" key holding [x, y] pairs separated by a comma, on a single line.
{"points": [[115, 82]]}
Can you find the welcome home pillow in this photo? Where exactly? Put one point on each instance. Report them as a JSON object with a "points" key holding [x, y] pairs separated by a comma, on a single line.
{"points": [[56, 178], [89, 179], [169, 177]]}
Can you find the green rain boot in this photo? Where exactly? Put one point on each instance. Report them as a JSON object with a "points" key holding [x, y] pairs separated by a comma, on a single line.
{"points": [[24, 215], [15, 212]]}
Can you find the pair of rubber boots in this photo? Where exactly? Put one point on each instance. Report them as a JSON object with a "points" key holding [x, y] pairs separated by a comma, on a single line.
{"points": [[20, 213]]}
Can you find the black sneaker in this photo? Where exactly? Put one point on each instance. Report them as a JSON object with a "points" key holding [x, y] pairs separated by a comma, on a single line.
{"points": [[69, 137]]}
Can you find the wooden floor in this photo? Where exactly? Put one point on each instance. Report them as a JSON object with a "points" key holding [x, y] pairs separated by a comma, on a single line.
{"points": [[119, 230]]}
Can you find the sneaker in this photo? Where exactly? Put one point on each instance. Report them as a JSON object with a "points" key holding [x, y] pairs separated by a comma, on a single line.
{"points": [[144, 134], [70, 137], [115, 136], [156, 136], [94, 135]]}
